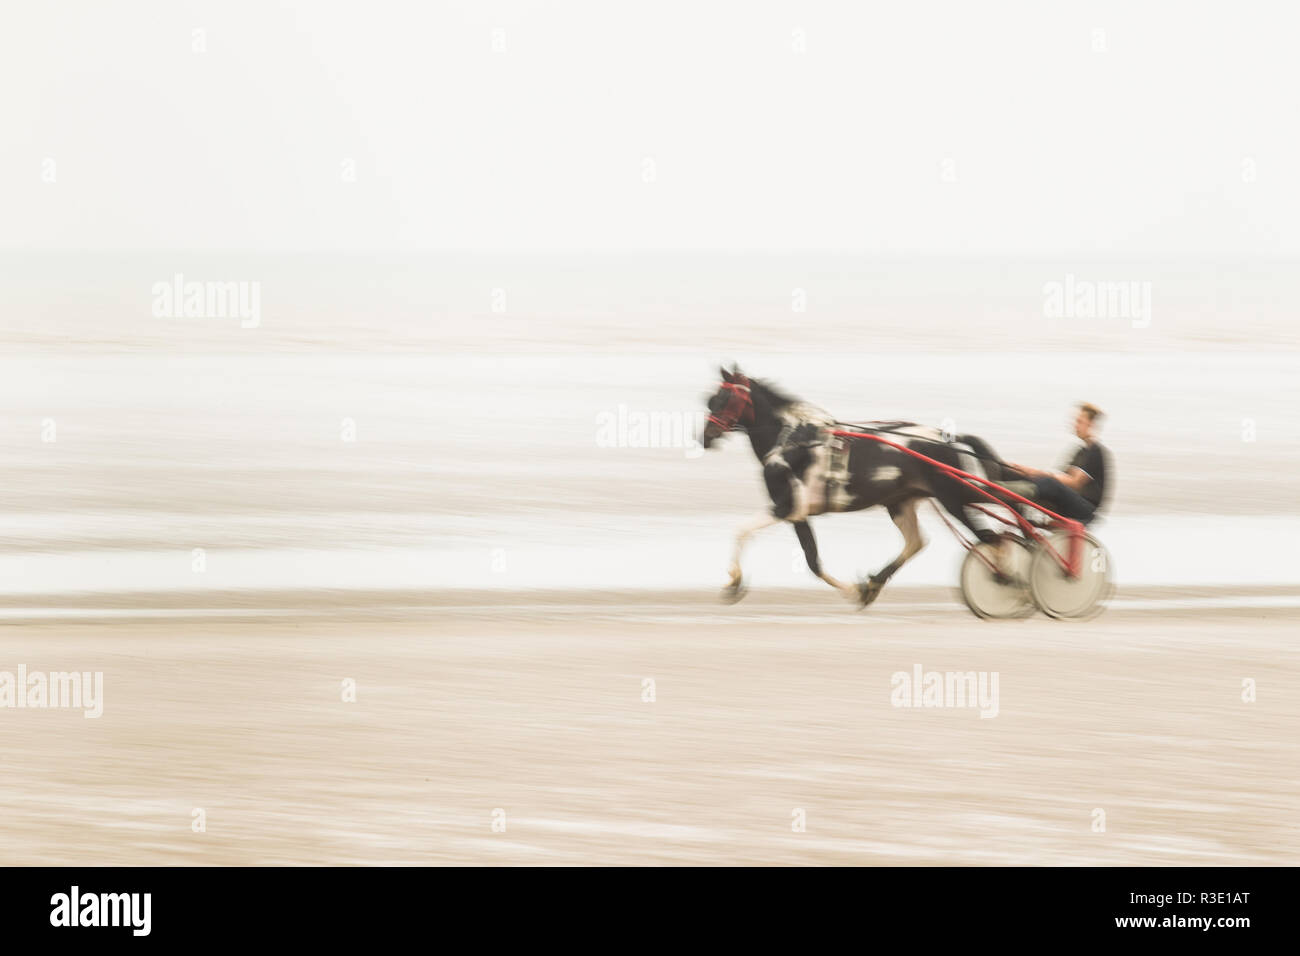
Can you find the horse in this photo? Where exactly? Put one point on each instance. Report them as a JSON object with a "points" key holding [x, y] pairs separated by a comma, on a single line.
{"points": [[809, 472]]}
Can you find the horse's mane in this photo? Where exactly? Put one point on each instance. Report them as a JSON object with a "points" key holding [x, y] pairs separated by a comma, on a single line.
{"points": [[784, 404], [776, 397]]}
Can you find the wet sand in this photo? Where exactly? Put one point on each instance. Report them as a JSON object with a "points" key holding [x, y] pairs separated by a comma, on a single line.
{"points": [[778, 705]]}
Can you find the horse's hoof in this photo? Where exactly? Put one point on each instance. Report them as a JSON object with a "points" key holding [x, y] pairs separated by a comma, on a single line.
{"points": [[868, 591], [734, 592]]}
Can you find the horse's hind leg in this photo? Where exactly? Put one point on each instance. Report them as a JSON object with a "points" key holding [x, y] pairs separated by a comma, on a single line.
{"points": [[809, 544], [734, 590], [904, 515]]}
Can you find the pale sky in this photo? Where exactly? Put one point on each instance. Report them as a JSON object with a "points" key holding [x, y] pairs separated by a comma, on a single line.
{"points": [[918, 128]]}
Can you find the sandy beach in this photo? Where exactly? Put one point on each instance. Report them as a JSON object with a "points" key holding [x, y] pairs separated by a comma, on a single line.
{"points": [[533, 706]]}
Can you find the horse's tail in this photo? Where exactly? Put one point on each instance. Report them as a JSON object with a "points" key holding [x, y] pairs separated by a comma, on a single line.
{"points": [[994, 467]]}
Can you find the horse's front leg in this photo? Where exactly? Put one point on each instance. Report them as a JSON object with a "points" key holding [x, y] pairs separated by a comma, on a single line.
{"points": [[734, 590], [804, 533]]}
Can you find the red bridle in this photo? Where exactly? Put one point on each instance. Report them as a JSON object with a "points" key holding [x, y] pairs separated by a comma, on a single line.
{"points": [[739, 409]]}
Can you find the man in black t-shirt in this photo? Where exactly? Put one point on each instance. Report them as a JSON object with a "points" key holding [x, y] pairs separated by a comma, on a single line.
{"points": [[1078, 490]]}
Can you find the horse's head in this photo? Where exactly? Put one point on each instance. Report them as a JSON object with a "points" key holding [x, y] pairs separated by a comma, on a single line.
{"points": [[730, 407]]}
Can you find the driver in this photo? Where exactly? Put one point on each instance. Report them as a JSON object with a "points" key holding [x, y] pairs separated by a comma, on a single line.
{"points": [[1078, 490]]}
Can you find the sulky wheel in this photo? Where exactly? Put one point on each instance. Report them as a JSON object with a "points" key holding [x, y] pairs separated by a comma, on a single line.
{"points": [[1003, 592], [1060, 595]]}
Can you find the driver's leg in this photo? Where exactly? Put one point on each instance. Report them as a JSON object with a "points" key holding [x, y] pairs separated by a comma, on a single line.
{"points": [[1064, 501]]}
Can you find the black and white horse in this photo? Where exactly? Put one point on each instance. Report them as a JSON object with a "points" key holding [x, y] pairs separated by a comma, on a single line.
{"points": [[808, 472]]}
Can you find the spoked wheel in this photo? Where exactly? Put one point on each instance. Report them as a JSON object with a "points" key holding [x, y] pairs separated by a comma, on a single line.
{"points": [[1003, 592], [1061, 596]]}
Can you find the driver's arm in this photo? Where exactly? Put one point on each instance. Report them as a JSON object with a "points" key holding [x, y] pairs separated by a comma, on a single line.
{"points": [[1074, 479]]}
